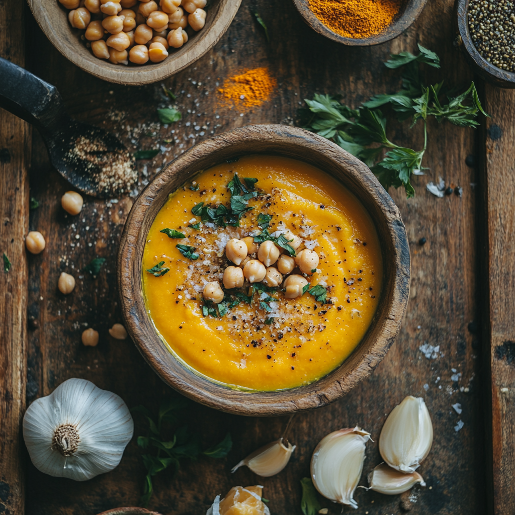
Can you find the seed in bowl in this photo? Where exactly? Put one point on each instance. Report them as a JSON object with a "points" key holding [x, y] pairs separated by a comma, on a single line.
{"points": [[137, 32]]}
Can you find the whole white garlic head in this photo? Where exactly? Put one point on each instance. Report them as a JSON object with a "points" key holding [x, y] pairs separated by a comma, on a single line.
{"points": [[78, 432], [407, 435]]}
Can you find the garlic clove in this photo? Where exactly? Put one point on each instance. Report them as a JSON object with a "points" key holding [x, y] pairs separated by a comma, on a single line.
{"points": [[407, 435], [383, 479], [240, 500], [268, 460], [337, 464]]}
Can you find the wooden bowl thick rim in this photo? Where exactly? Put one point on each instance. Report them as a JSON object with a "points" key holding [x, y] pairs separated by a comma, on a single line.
{"points": [[411, 10], [50, 17], [484, 68], [356, 176]]}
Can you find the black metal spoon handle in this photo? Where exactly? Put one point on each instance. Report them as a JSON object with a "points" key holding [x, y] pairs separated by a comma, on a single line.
{"points": [[30, 98]]}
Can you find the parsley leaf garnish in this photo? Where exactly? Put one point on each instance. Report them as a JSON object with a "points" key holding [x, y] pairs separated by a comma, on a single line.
{"points": [[187, 251], [269, 320], [309, 502], [146, 154], [281, 241], [7, 264], [195, 226], [94, 266], [193, 187], [264, 220], [197, 209], [265, 306], [33, 204], [319, 292], [172, 233], [306, 288], [169, 115], [158, 270]]}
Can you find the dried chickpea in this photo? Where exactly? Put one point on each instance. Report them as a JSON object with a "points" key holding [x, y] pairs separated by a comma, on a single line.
{"points": [[90, 337], [113, 24], [307, 261], [294, 286], [70, 4], [128, 3], [157, 52], [236, 250], [285, 264], [293, 240], [268, 253], [213, 292], [100, 50], [160, 39], [158, 19], [254, 271], [93, 6], [176, 16], [129, 19], [35, 242], [110, 8], [197, 19], [119, 41], [66, 283], [233, 277], [272, 277], [139, 54], [182, 23], [177, 38], [147, 8], [169, 6], [118, 56], [72, 201], [79, 18], [95, 31], [252, 246], [118, 332], [142, 34], [191, 5]]}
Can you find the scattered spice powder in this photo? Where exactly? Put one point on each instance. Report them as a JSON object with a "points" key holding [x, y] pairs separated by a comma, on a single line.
{"points": [[356, 18], [250, 88]]}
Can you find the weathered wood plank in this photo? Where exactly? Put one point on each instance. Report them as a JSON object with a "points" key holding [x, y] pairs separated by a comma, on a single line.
{"points": [[444, 289], [497, 180], [14, 216]]}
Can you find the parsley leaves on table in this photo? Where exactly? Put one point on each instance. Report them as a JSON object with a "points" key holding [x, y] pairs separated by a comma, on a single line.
{"points": [[356, 129], [146, 154], [169, 115], [7, 264], [168, 93], [158, 270], [172, 233], [33, 204], [162, 452], [281, 241], [309, 502], [94, 266], [187, 251], [260, 22]]}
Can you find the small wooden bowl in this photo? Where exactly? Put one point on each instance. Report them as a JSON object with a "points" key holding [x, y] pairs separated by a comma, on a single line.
{"points": [[53, 20], [407, 15], [484, 68], [310, 148], [122, 511]]}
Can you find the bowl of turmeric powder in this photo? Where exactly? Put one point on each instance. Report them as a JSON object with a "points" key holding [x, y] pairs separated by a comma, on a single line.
{"points": [[360, 22]]}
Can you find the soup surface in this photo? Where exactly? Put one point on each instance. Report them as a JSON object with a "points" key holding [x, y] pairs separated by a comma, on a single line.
{"points": [[257, 338]]}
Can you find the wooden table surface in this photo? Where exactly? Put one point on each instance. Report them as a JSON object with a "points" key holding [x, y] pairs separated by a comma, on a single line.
{"points": [[461, 293]]}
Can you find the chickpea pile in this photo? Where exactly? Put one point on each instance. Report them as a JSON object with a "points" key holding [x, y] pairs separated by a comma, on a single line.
{"points": [[136, 31], [264, 263]]}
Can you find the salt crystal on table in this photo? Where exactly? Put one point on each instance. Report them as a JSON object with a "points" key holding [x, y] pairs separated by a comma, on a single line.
{"points": [[426, 387], [458, 426], [457, 407]]}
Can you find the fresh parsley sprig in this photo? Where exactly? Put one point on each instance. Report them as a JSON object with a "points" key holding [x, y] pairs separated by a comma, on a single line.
{"points": [[94, 266], [7, 263], [355, 130], [158, 270], [187, 251], [162, 452], [309, 502], [172, 233]]}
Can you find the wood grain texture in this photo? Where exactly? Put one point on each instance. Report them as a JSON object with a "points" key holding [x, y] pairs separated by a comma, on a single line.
{"points": [[444, 293], [497, 180], [408, 14], [352, 173], [14, 216], [53, 20]]}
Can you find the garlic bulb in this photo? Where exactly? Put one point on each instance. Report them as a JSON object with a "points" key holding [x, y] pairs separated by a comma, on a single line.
{"points": [[77, 432], [383, 479], [337, 464], [269, 459], [407, 435]]}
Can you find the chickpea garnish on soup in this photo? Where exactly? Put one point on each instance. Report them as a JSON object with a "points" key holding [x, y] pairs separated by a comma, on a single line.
{"points": [[262, 274]]}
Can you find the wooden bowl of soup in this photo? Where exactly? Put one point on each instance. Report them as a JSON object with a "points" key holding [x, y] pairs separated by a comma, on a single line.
{"points": [[264, 349]]}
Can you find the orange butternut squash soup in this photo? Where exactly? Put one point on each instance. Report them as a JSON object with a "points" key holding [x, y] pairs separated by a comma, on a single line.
{"points": [[262, 274]]}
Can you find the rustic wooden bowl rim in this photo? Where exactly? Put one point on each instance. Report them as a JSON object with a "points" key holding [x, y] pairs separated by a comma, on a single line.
{"points": [[411, 10], [308, 147], [488, 70], [53, 21]]}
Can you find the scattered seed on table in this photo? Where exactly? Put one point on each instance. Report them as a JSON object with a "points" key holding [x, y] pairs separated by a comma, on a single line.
{"points": [[448, 190], [422, 241]]}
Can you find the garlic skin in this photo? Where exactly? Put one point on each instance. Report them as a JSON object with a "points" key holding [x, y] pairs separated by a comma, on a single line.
{"points": [[407, 435], [78, 432], [383, 479], [337, 464], [268, 460]]}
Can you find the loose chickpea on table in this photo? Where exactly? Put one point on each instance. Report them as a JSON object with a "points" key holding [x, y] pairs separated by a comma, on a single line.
{"points": [[123, 31]]}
